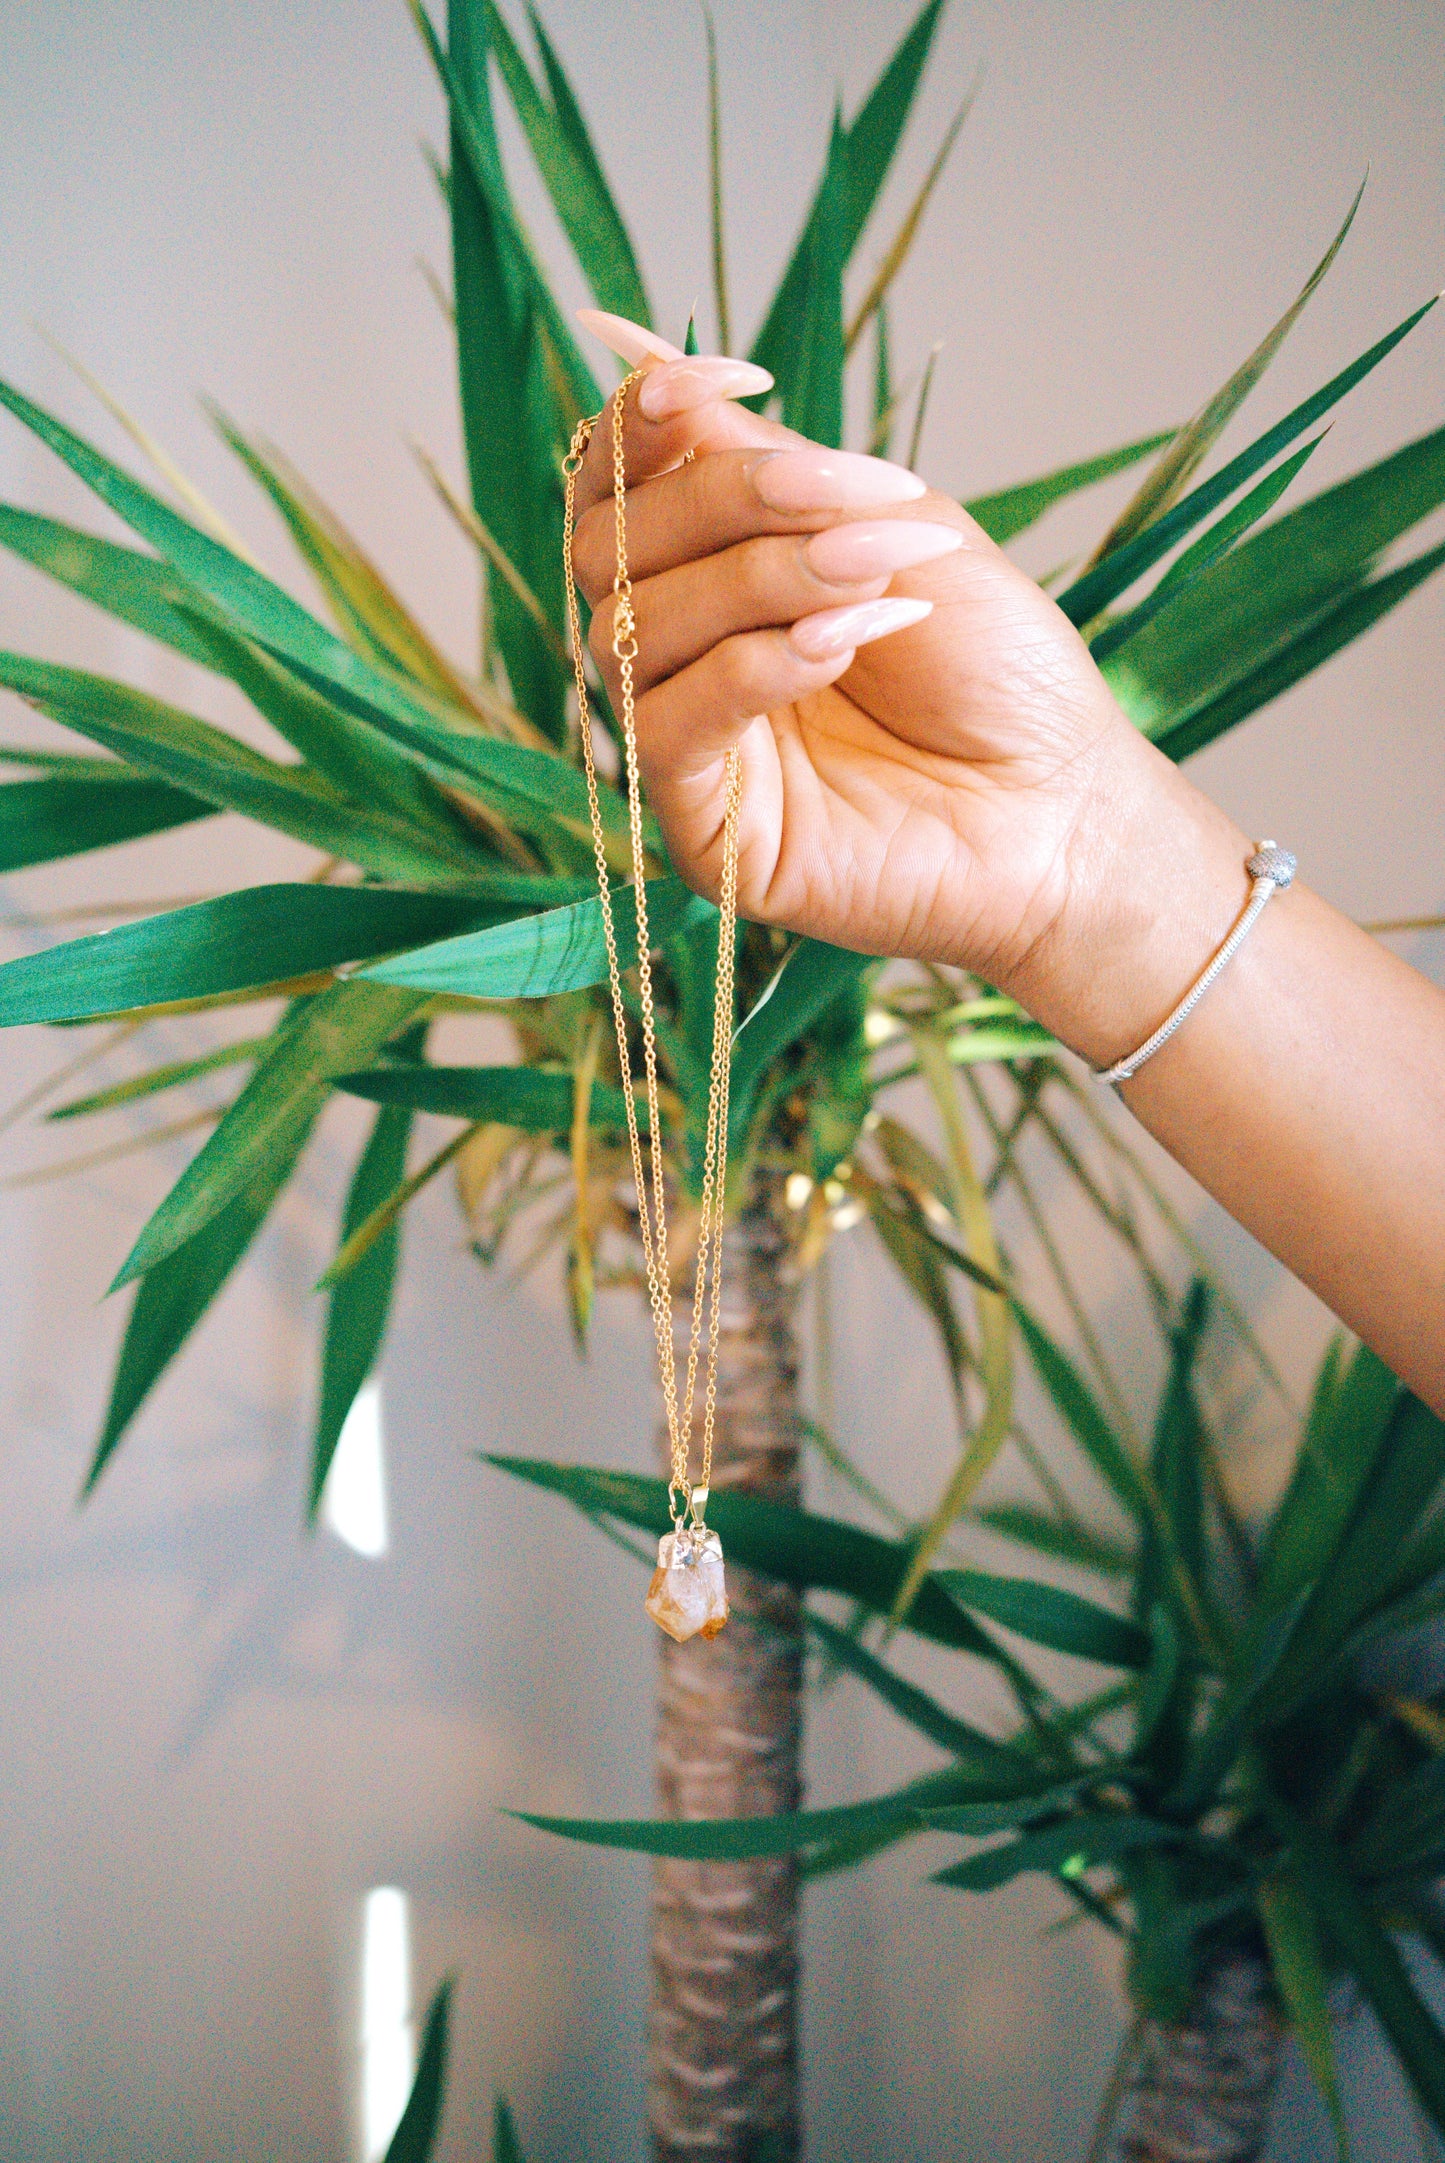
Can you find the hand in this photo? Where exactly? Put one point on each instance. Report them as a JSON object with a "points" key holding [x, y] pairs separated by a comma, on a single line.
{"points": [[932, 765]]}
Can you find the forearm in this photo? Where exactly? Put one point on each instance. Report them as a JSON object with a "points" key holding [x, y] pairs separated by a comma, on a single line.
{"points": [[1306, 1092]]}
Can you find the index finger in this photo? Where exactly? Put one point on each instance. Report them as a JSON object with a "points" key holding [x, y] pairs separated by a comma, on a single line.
{"points": [[697, 390]]}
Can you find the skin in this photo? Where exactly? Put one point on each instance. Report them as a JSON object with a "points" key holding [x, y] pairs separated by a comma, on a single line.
{"points": [[967, 791]]}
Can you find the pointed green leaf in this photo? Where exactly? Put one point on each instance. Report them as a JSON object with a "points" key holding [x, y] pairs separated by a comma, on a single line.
{"points": [[533, 957], [526, 1097], [1296, 1961], [506, 2148], [170, 1076], [795, 1547], [1337, 628], [1066, 1540], [361, 1301], [189, 754], [415, 2137], [1194, 441], [580, 195], [260, 935], [813, 977], [135, 589], [334, 1033], [175, 1294], [1045, 1615], [1375, 1963], [738, 1839], [1046, 1797], [1074, 1400], [66, 816], [1088, 595], [991, 1760], [1009, 511], [872, 141], [811, 377], [1347, 1427], [1406, 1829], [1201, 556], [1276, 585]]}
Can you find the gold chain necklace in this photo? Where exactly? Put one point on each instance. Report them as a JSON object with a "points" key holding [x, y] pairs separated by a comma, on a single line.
{"points": [[687, 1595]]}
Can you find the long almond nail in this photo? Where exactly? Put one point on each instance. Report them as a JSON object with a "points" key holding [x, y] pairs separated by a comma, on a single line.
{"points": [[628, 340], [834, 630], [678, 386], [847, 555], [815, 479]]}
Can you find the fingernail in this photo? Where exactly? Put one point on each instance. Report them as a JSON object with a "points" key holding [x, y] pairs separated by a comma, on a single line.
{"points": [[834, 630], [815, 479], [680, 385], [846, 555], [628, 340]]}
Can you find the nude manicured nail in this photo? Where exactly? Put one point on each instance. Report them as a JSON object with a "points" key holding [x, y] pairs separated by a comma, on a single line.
{"points": [[628, 340], [677, 386], [815, 479], [847, 555], [836, 630]]}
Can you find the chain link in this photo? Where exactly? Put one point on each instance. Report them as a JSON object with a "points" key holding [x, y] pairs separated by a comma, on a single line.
{"points": [[650, 1175]]}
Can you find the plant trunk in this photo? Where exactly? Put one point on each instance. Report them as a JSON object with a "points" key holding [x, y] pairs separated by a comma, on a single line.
{"points": [[1200, 2091], [723, 2044]]}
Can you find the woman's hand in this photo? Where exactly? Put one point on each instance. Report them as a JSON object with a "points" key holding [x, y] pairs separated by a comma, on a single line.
{"points": [[932, 765]]}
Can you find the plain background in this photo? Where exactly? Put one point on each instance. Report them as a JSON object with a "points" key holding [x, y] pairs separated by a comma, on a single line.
{"points": [[214, 1733]]}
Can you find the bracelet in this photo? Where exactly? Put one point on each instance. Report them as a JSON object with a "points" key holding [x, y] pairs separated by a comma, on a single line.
{"points": [[1271, 868]]}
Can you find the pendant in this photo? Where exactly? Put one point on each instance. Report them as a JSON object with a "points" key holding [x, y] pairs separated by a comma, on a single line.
{"points": [[687, 1596]]}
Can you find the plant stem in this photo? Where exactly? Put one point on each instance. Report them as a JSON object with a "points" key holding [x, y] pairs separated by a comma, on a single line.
{"points": [[1200, 2090]]}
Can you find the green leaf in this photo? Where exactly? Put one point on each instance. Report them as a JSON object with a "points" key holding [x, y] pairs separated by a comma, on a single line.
{"points": [[1406, 1830], [811, 381], [260, 935], [1337, 628], [1046, 1797], [415, 2136], [1194, 441], [1201, 556], [901, 247], [794, 1547], [177, 1292], [1346, 1431], [1374, 1962], [268, 614], [1406, 1472], [361, 1301], [169, 1076], [738, 1839], [135, 589], [812, 977], [1045, 1615], [62, 815], [331, 1034], [1072, 1847], [872, 141], [533, 957], [715, 191], [573, 175], [1066, 1540], [992, 1760], [1157, 1691], [506, 2148], [1296, 1959], [1009, 511], [526, 1097], [1075, 1402], [1277, 584], [1082, 601], [178, 749], [1178, 1471]]}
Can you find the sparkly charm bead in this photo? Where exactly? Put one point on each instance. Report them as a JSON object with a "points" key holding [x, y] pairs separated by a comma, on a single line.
{"points": [[687, 1596], [1271, 862]]}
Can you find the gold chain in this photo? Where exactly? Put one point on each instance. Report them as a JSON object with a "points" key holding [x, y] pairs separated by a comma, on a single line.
{"points": [[650, 1179]]}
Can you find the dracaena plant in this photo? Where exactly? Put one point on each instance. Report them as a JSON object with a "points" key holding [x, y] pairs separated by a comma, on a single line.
{"points": [[449, 815]]}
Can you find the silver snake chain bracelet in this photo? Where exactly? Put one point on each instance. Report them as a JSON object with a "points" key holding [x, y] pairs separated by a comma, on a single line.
{"points": [[1271, 868]]}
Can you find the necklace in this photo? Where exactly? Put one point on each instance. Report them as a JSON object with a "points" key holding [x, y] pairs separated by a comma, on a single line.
{"points": [[687, 1596]]}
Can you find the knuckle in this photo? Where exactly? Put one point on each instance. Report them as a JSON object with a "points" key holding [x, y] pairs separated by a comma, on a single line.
{"points": [[599, 631], [741, 670]]}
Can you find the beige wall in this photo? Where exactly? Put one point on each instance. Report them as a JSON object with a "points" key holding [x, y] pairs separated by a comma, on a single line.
{"points": [[214, 1734]]}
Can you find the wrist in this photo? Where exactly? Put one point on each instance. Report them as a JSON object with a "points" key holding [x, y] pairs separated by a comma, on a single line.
{"points": [[1155, 881]]}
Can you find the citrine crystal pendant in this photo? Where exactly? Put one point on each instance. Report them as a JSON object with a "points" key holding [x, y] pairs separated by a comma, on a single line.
{"points": [[687, 1596]]}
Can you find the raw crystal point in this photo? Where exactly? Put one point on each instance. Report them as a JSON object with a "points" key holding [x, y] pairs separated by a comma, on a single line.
{"points": [[687, 1594]]}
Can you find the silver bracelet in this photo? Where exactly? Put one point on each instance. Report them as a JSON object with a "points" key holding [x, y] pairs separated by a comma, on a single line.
{"points": [[1271, 868]]}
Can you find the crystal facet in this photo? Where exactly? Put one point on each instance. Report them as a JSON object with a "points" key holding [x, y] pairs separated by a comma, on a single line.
{"points": [[687, 1596]]}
